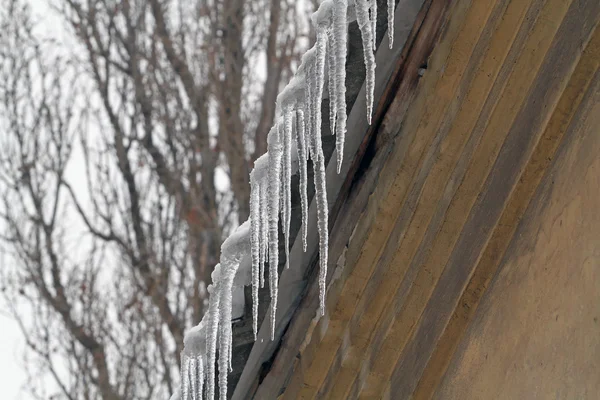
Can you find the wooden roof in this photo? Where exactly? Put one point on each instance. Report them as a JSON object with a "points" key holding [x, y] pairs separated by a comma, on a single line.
{"points": [[458, 167]]}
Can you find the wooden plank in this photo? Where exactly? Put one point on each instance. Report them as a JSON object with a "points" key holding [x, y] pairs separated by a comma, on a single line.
{"points": [[446, 151], [539, 163], [495, 133], [454, 181], [534, 334]]}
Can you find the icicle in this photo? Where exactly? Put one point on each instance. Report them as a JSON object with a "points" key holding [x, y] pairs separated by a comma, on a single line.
{"points": [[185, 378], [256, 248], [270, 197], [340, 32], [331, 81], [282, 174], [391, 5], [257, 181], [303, 99], [230, 344], [232, 250], [229, 338], [366, 31], [264, 226], [322, 222], [374, 23], [192, 377], [290, 103], [301, 147], [275, 154], [320, 20], [200, 376], [212, 331], [225, 329], [320, 81], [310, 98], [194, 348], [287, 182], [280, 134]]}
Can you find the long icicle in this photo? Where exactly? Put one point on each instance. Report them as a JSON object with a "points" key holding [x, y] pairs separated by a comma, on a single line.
{"points": [[340, 31], [391, 5], [366, 31], [212, 331], [185, 378], [302, 166], [275, 154], [331, 81], [194, 347], [319, 166], [193, 373], [287, 186], [200, 377], [233, 250], [282, 209], [310, 90], [255, 244], [225, 339], [264, 226]]}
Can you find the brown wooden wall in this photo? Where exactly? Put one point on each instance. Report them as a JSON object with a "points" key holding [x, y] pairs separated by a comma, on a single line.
{"points": [[536, 332], [474, 269]]}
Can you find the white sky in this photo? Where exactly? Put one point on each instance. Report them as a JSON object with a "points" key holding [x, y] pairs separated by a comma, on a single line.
{"points": [[12, 375]]}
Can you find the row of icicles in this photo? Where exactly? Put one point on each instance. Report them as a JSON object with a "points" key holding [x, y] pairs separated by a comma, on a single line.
{"points": [[296, 136]]}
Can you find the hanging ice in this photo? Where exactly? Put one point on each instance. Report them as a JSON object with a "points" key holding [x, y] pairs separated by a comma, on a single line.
{"points": [[257, 225], [254, 243], [301, 147], [212, 322], [264, 227], [366, 31], [193, 360], [201, 361], [279, 126], [233, 249], [185, 382], [303, 88], [290, 100], [275, 149], [340, 32], [286, 163], [331, 82], [193, 372], [307, 66], [320, 19], [391, 4], [256, 246]]}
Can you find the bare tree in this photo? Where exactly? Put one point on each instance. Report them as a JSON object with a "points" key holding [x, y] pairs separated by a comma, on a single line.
{"points": [[124, 157]]}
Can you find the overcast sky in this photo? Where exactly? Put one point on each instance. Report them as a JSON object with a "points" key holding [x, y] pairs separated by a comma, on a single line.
{"points": [[12, 375]]}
